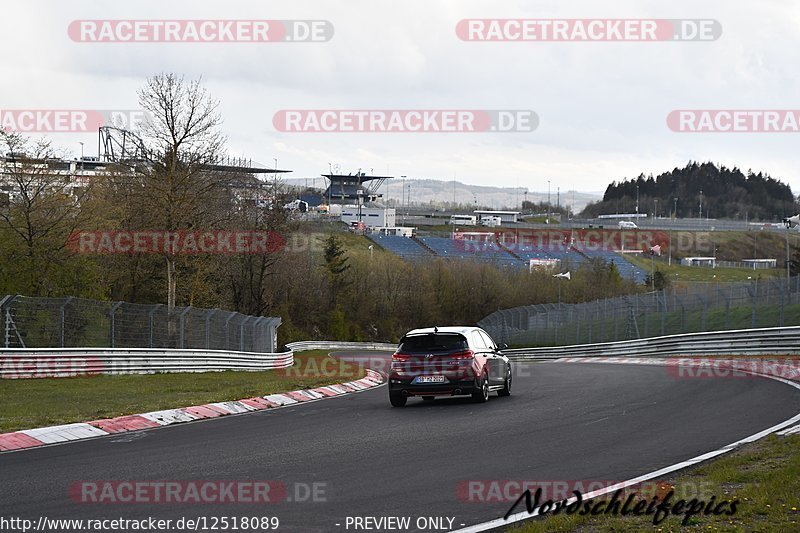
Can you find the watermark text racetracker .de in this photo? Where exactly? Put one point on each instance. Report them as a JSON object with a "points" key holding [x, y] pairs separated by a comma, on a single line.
{"points": [[588, 30], [50, 367], [735, 368], [405, 121], [488, 491], [734, 121], [200, 31], [200, 242], [68, 120], [524, 240], [199, 491], [176, 242]]}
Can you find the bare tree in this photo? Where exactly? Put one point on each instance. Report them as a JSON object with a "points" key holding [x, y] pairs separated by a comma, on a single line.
{"points": [[42, 210], [181, 138]]}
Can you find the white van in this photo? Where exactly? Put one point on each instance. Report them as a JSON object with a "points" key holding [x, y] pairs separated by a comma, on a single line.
{"points": [[626, 224], [463, 220], [490, 221]]}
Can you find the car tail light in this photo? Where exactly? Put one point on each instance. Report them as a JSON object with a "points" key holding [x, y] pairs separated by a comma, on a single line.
{"points": [[399, 360], [468, 354]]}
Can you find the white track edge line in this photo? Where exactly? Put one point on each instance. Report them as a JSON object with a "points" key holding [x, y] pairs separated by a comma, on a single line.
{"points": [[519, 517]]}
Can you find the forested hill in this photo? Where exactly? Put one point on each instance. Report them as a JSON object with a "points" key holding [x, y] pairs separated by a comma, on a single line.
{"points": [[724, 192]]}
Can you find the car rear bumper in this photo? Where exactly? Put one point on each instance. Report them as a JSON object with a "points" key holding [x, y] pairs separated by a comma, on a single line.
{"points": [[454, 387]]}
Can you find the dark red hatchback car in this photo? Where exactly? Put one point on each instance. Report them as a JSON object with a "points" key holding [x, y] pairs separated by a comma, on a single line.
{"points": [[448, 361]]}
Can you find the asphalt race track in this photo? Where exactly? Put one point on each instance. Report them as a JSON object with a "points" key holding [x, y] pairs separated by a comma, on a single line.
{"points": [[563, 422]]}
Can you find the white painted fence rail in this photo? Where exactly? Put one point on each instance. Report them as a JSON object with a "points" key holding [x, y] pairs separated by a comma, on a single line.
{"points": [[67, 362], [765, 341]]}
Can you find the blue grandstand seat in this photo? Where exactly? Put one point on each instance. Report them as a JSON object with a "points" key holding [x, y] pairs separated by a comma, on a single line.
{"points": [[625, 268], [467, 249], [402, 246]]}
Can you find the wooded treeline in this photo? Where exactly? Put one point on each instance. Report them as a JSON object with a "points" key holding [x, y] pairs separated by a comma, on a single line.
{"points": [[723, 193]]}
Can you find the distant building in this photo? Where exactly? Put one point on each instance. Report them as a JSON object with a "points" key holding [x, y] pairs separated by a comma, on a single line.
{"points": [[355, 188], [372, 217], [505, 216], [756, 264], [401, 231], [699, 261]]}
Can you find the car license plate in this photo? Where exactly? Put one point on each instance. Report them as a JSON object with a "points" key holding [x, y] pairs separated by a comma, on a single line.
{"points": [[429, 379]]}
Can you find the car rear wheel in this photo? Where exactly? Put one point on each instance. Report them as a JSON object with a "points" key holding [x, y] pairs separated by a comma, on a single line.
{"points": [[482, 394], [506, 390], [397, 399]]}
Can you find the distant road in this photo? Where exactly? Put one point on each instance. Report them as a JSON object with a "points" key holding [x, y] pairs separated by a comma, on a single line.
{"points": [[422, 217]]}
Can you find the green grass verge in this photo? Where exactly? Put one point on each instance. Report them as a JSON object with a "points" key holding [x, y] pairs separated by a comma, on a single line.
{"points": [[678, 273], [32, 403], [763, 476]]}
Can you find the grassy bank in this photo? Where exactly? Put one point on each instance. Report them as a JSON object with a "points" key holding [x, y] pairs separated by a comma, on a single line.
{"points": [[31, 403], [678, 273]]}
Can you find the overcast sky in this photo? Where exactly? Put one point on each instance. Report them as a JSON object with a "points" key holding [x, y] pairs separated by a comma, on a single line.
{"points": [[602, 105]]}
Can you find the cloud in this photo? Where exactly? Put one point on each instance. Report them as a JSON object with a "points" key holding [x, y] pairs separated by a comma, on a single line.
{"points": [[602, 106]]}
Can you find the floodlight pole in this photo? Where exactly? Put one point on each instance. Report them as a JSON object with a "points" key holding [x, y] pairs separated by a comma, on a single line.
{"points": [[652, 271], [330, 186], [788, 270], [403, 201]]}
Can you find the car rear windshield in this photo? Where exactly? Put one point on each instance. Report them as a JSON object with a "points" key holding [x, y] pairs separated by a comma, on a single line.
{"points": [[433, 342]]}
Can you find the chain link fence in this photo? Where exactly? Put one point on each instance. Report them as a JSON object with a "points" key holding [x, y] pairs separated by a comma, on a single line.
{"points": [[80, 323], [690, 308]]}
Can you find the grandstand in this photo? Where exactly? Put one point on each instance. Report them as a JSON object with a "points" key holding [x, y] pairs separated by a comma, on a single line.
{"points": [[626, 269], [561, 253], [487, 249], [403, 246]]}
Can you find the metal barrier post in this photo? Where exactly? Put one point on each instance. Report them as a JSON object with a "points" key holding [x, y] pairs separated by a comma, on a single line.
{"points": [[5, 326], [590, 326], [182, 325], [62, 317], [704, 313], [150, 326], [241, 333], [208, 326], [683, 318], [111, 317], [227, 331], [257, 333]]}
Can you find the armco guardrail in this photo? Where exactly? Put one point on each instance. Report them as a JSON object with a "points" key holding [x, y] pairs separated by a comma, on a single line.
{"points": [[766, 341], [67, 362], [334, 345]]}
